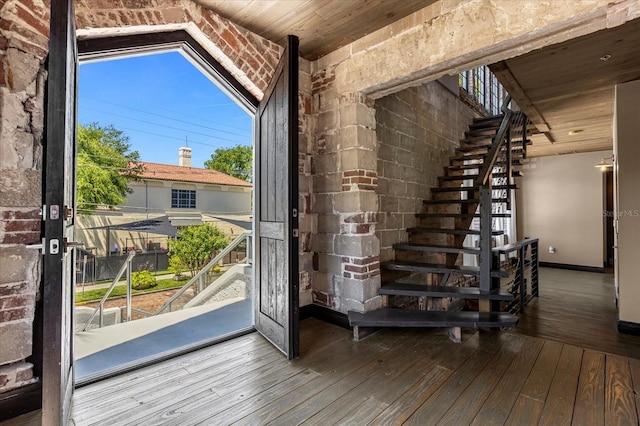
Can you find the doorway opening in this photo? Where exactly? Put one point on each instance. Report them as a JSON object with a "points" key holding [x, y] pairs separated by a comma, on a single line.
{"points": [[167, 262]]}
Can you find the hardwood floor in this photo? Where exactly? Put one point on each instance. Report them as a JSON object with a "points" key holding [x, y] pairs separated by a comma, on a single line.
{"points": [[577, 308], [579, 371]]}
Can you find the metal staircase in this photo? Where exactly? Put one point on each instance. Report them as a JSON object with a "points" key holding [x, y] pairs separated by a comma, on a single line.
{"points": [[427, 284]]}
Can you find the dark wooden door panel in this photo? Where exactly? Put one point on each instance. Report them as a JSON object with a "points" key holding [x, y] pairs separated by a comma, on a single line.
{"points": [[59, 184], [276, 307]]}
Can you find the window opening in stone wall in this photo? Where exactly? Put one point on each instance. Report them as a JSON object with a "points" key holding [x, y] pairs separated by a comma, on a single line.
{"points": [[482, 86], [179, 271]]}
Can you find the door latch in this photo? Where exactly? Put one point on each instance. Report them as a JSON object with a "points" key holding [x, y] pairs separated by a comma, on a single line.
{"points": [[71, 244]]}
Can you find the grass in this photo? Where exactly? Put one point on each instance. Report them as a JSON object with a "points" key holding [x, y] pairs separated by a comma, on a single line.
{"points": [[121, 290]]}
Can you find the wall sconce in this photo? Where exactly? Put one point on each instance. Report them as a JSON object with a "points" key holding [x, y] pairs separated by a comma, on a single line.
{"points": [[603, 165]]}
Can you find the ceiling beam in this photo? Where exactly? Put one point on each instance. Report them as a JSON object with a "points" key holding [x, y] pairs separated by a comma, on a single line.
{"points": [[508, 80]]}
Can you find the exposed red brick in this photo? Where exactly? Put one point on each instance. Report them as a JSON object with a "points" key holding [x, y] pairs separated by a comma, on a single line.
{"points": [[346, 275], [365, 260], [22, 225], [21, 238], [17, 214], [356, 218], [349, 173], [34, 22], [24, 374], [137, 4], [14, 314], [365, 187], [361, 179], [16, 301], [13, 289], [362, 229], [230, 39], [355, 268]]}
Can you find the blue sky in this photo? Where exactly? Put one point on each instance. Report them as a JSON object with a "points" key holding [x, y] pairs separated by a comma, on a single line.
{"points": [[161, 102]]}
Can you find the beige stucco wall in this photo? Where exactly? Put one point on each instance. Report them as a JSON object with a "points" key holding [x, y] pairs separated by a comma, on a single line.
{"points": [[560, 201], [155, 197], [627, 149]]}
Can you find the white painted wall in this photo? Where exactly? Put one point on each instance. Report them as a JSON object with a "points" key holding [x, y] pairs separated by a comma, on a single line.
{"points": [[561, 202]]}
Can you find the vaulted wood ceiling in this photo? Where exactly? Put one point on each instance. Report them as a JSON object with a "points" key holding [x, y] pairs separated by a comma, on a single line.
{"points": [[568, 89], [322, 25]]}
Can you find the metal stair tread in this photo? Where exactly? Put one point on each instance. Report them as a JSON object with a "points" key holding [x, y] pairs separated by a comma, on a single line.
{"points": [[470, 188], [468, 201], [402, 265], [435, 248], [394, 317], [421, 230], [458, 215], [514, 173], [399, 288]]}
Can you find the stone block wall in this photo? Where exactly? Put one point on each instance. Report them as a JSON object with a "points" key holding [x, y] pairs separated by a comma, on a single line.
{"points": [[418, 130], [346, 250], [24, 31]]}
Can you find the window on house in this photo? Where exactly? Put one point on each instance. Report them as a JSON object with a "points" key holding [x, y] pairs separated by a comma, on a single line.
{"points": [[183, 199]]}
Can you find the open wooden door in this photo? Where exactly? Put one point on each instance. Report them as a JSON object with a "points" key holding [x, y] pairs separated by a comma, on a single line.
{"points": [[276, 259], [58, 215]]}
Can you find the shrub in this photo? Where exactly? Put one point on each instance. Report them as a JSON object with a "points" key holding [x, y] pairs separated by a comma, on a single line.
{"points": [[142, 280]]}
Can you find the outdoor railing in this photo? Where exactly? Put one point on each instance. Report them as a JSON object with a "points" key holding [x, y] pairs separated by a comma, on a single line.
{"points": [[126, 266], [199, 278]]}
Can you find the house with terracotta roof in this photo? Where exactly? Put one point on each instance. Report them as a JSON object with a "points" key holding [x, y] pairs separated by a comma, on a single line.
{"points": [[166, 197], [183, 190]]}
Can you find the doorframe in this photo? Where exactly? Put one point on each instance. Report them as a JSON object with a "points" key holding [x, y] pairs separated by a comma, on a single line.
{"points": [[121, 46]]}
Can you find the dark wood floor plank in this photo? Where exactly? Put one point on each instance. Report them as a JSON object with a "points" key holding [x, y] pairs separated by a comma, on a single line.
{"points": [[589, 405], [498, 405], [375, 387], [528, 406], [450, 354], [346, 371], [537, 384], [620, 405], [526, 411], [573, 307], [634, 365], [558, 408], [465, 408]]}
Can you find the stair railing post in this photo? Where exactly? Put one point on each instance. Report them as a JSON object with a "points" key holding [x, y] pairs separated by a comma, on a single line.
{"points": [[508, 178], [522, 253], [485, 236]]}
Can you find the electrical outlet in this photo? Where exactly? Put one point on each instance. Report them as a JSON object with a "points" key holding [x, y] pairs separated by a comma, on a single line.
{"points": [[552, 249]]}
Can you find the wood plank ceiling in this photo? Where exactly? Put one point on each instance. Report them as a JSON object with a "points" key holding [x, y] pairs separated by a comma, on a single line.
{"points": [[568, 89], [322, 25]]}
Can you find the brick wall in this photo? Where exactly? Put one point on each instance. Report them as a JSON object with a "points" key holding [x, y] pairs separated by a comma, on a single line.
{"points": [[23, 46], [418, 130]]}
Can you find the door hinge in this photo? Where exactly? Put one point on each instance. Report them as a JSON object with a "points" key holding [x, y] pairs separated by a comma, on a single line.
{"points": [[295, 233], [295, 212]]}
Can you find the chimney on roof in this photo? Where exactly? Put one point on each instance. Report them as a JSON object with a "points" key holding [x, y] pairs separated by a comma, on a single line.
{"points": [[184, 157]]}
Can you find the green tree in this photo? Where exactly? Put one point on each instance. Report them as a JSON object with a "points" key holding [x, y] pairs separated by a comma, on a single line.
{"points": [[236, 161], [105, 166], [195, 246]]}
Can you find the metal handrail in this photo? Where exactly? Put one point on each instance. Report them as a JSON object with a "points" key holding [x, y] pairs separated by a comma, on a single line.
{"points": [[125, 266], [199, 277]]}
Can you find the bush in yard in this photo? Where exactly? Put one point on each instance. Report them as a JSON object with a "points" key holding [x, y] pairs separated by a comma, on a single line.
{"points": [[195, 246], [143, 280]]}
